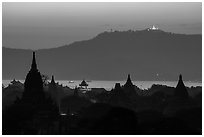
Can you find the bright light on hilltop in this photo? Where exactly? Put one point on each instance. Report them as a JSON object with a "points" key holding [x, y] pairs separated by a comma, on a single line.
{"points": [[153, 28]]}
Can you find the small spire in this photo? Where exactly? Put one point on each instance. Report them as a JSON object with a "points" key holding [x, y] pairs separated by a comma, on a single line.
{"points": [[128, 76], [128, 79], [180, 77], [128, 82], [181, 90], [34, 65], [52, 81]]}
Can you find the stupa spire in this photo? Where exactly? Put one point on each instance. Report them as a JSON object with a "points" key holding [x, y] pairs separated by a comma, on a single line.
{"points": [[129, 77], [33, 85], [181, 90], [34, 65], [180, 77], [128, 82], [52, 81]]}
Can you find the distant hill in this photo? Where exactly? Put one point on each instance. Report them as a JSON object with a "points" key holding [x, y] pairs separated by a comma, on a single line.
{"points": [[145, 54]]}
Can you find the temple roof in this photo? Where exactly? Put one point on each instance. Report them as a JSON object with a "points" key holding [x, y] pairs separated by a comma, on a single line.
{"points": [[16, 82], [83, 83], [117, 86]]}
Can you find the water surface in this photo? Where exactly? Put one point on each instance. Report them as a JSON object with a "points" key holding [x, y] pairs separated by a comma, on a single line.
{"points": [[108, 85]]}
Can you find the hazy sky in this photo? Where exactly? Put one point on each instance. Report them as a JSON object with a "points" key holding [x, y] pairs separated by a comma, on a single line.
{"points": [[46, 25]]}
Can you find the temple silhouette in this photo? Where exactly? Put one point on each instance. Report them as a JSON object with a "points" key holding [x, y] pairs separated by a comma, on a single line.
{"points": [[53, 91], [34, 112], [130, 88], [83, 84], [54, 109], [181, 90], [33, 86], [128, 83]]}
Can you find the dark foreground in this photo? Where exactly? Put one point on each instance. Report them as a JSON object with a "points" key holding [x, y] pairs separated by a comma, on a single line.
{"points": [[158, 111], [37, 107]]}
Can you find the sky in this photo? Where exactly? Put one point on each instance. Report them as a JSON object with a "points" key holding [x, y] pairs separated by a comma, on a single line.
{"points": [[47, 25]]}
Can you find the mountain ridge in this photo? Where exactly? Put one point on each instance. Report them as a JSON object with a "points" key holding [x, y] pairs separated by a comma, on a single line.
{"points": [[110, 32], [112, 55]]}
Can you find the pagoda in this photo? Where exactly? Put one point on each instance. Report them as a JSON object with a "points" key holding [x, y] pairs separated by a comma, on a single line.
{"points": [[83, 84], [128, 83], [129, 88], [34, 112], [53, 90], [33, 86], [181, 90], [117, 86], [52, 80]]}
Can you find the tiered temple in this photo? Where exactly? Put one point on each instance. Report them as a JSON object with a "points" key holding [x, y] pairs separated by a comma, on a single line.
{"points": [[34, 107], [33, 86]]}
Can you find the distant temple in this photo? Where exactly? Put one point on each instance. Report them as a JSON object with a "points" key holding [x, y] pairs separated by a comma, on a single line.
{"points": [[181, 90], [52, 80], [117, 86], [129, 88], [83, 84], [16, 84], [128, 83], [52, 88]]}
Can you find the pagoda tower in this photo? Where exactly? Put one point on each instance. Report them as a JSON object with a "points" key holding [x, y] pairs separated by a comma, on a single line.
{"points": [[129, 88], [31, 113], [181, 90], [128, 83], [52, 87], [52, 80], [33, 85], [117, 86]]}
